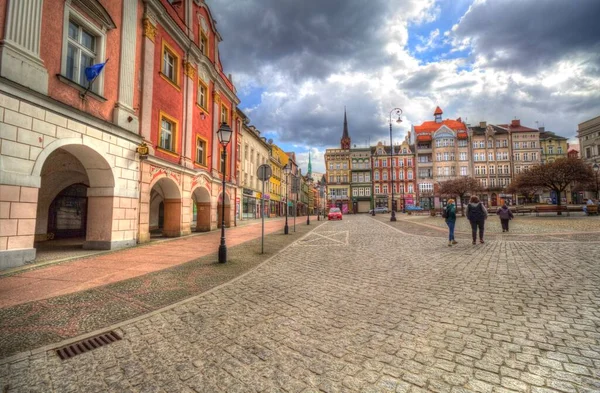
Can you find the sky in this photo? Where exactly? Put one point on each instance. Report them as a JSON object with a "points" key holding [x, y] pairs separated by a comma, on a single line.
{"points": [[297, 65]]}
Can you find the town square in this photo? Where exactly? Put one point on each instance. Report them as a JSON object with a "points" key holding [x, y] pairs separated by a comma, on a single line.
{"points": [[283, 196]]}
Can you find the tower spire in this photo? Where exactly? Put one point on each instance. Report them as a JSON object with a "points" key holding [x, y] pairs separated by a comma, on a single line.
{"points": [[345, 136], [309, 172]]}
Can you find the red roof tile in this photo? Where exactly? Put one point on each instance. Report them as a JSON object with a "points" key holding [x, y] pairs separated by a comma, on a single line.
{"points": [[430, 126], [424, 137]]}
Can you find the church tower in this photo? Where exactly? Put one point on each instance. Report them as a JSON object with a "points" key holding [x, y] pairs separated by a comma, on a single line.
{"points": [[345, 137], [309, 172]]}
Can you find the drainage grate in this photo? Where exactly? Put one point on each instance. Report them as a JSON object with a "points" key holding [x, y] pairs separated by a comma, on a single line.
{"points": [[87, 345]]}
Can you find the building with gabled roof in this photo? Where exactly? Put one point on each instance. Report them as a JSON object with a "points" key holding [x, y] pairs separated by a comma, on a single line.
{"points": [[442, 153]]}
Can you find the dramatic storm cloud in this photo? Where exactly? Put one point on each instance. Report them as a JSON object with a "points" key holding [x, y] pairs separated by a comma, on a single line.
{"points": [[297, 64]]}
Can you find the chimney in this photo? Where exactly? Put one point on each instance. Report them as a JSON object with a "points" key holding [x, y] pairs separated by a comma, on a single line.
{"points": [[515, 123], [542, 129], [482, 124]]}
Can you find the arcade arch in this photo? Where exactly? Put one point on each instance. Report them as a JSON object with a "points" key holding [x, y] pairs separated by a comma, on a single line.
{"points": [[165, 208], [202, 205]]}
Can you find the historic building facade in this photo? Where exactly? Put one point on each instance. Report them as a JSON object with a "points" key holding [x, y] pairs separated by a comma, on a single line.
{"points": [[490, 162], [130, 153], [360, 183], [338, 173], [68, 162], [442, 153], [254, 152], [588, 134]]}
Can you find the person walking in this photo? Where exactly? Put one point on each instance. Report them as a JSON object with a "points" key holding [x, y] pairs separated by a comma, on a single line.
{"points": [[476, 213], [505, 216], [450, 215]]}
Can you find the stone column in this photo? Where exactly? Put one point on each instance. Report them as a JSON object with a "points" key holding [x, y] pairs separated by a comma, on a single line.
{"points": [[148, 77], [20, 49], [203, 216], [99, 222], [124, 115], [189, 142], [216, 156], [18, 207], [172, 224]]}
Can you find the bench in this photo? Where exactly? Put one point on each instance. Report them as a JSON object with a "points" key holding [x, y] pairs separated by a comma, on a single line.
{"points": [[551, 209], [523, 210], [591, 210]]}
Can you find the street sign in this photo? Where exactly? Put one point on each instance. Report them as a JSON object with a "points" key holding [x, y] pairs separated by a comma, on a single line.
{"points": [[264, 172]]}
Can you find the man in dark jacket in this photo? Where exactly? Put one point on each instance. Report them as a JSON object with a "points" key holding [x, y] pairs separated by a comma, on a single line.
{"points": [[476, 213], [451, 221]]}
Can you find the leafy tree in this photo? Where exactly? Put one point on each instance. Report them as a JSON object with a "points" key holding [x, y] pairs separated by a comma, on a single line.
{"points": [[555, 176], [459, 188]]}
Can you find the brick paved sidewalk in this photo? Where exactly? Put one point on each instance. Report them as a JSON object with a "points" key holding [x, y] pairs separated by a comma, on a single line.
{"points": [[78, 275], [30, 325]]}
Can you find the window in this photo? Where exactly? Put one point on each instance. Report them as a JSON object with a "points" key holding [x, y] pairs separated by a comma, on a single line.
{"points": [[200, 151], [376, 175], [224, 114], [409, 162], [384, 175], [463, 156], [438, 156], [81, 52], [504, 143], [533, 144], [167, 132], [462, 143], [550, 149], [534, 156], [525, 156], [203, 95], [354, 178], [481, 144], [331, 166], [516, 145], [490, 156], [367, 177], [491, 169], [559, 150], [377, 189], [490, 144], [410, 175], [170, 65], [474, 144], [337, 166], [463, 171], [426, 187], [385, 189], [361, 192], [385, 163], [446, 156], [203, 43]]}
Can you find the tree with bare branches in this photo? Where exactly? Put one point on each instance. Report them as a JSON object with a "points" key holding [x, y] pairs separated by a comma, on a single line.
{"points": [[555, 176], [459, 188]]}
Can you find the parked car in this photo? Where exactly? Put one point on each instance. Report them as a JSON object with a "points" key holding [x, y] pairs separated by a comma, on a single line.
{"points": [[334, 214], [379, 210]]}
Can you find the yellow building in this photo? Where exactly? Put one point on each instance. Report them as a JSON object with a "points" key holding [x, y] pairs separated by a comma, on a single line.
{"points": [[553, 146], [277, 185]]}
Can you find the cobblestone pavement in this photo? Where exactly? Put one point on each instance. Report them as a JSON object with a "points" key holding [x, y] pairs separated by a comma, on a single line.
{"points": [[360, 306]]}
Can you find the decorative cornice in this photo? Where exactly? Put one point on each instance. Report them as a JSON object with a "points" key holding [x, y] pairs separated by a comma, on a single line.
{"points": [[149, 29], [97, 10], [189, 70]]}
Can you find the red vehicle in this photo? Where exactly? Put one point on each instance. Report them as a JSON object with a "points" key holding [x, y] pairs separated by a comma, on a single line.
{"points": [[334, 214]]}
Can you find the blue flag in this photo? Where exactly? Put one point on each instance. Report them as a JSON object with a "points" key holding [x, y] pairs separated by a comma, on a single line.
{"points": [[93, 71]]}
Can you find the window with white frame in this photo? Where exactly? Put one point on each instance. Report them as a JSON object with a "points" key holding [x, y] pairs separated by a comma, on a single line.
{"points": [[385, 189], [410, 175], [367, 192], [367, 177], [446, 156], [491, 169], [559, 150], [462, 143], [505, 143], [463, 171], [354, 177], [533, 144], [525, 156], [505, 156], [355, 192], [490, 156], [474, 144], [361, 192], [410, 188], [376, 175], [409, 162], [463, 156], [440, 171], [482, 144], [384, 175], [438, 156], [385, 163], [377, 189], [426, 187], [200, 151], [83, 46]]}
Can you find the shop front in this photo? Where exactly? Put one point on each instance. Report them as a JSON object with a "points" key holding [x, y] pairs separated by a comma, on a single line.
{"points": [[250, 204]]}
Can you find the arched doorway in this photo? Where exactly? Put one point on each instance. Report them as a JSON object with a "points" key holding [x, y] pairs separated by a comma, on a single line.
{"points": [[165, 209], [227, 211], [75, 200], [201, 209]]}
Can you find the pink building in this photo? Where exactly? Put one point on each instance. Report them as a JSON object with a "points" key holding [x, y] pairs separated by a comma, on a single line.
{"points": [[131, 154]]}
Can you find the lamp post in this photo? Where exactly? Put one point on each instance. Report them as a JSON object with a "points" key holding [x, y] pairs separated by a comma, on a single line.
{"points": [[596, 168], [224, 135], [286, 170], [309, 183], [395, 112]]}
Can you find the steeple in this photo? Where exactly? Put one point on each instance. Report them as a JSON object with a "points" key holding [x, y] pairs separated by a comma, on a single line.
{"points": [[345, 136], [309, 173]]}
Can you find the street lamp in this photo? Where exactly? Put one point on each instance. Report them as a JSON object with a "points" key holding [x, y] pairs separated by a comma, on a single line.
{"points": [[287, 169], [224, 135], [309, 182], [395, 112], [596, 168]]}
